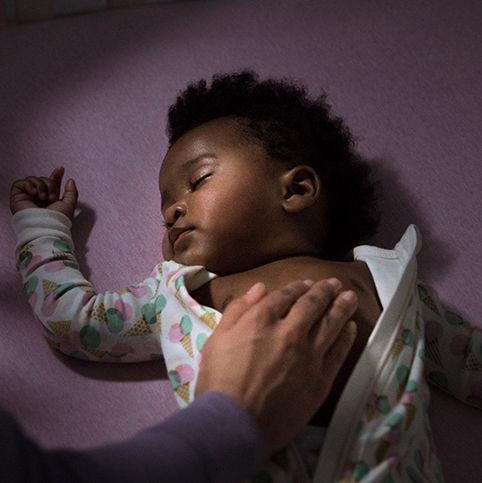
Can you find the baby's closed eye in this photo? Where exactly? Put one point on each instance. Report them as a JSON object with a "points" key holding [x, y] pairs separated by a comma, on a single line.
{"points": [[199, 181]]}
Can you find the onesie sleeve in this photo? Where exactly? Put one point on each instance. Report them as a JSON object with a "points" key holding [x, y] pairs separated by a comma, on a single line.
{"points": [[115, 326], [453, 349]]}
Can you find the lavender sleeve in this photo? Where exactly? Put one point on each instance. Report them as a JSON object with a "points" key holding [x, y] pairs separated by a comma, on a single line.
{"points": [[212, 440]]}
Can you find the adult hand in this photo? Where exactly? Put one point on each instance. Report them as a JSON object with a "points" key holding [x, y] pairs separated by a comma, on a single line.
{"points": [[43, 192], [278, 353]]}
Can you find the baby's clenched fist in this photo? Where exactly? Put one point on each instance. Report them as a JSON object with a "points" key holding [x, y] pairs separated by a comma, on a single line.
{"points": [[43, 192]]}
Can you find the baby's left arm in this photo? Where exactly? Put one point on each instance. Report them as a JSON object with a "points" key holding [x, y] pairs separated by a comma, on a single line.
{"points": [[453, 349], [115, 326]]}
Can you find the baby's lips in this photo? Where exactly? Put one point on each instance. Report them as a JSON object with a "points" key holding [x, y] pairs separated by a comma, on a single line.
{"points": [[175, 233]]}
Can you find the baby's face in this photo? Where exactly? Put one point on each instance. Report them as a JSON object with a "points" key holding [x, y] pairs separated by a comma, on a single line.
{"points": [[219, 200]]}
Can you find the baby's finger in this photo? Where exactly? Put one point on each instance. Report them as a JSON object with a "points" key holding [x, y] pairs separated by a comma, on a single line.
{"points": [[36, 187], [52, 188], [70, 193], [310, 307], [56, 175], [333, 321], [20, 188], [29, 187]]}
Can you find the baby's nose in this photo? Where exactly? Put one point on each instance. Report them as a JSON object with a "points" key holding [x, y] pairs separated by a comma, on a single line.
{"points": [[175, 212]]}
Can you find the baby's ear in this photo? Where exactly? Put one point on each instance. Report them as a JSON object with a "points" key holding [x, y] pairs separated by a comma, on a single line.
{"points": [[301, 188]]}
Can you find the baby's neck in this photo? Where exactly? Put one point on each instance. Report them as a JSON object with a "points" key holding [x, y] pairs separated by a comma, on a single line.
{"points": [[274, 274]]}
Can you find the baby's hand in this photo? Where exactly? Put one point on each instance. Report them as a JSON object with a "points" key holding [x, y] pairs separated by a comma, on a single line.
{"points": [[42, 192]]}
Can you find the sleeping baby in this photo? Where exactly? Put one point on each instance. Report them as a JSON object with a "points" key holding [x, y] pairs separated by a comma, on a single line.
{"points": [[262, 183]]}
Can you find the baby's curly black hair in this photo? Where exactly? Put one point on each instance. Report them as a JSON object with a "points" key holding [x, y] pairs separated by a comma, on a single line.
{"points": [[296, 130]]}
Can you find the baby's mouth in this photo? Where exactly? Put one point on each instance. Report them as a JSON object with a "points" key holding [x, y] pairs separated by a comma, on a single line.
{"points": [[178, 235]]}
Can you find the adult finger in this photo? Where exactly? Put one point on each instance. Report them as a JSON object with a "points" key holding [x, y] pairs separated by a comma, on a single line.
{"points": [[311, 306], [334, 358], [239, 306], [276, 304], [338, 313], [259, 307]]}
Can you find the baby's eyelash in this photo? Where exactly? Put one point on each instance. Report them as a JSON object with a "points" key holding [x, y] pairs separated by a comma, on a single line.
{"points": [[202, 178], [194, 185]]}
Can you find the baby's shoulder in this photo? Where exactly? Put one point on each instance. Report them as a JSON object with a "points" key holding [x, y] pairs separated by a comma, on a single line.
{"points": [[354, 275]]}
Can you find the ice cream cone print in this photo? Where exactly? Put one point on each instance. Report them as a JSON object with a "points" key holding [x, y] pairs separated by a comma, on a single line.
{"points": [[96, 353], [396, 348], [48, 287], [97, 312], [180, 299], [371, 413], [156, 328], [52, 343], [209, 318], [185, 327], [180, 379], [26, 248], [472, 363], [24, 256], [186, 342], [60, 328], [141, 327], [183, 392], [433, 351], [427, 300], [175, 335]]}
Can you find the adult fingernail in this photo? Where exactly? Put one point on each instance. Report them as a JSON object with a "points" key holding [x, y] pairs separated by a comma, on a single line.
{"points": [[255, 293], [349, 296], [308, 282], [255, 288], [335, 283]]}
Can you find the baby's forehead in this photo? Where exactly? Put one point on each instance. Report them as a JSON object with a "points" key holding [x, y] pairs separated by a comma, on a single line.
{"points": [[217, 135], [181, 165]]}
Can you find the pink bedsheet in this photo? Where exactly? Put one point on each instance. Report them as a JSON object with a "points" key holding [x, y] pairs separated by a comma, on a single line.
{"points": [[92, 92]]}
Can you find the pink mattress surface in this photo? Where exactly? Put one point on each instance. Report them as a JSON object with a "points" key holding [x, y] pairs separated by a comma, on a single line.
{"points": [[91, 93]]}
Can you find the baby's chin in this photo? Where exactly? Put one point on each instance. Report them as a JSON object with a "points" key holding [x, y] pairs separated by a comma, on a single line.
{"points": [[210, 265], [220, 262]]}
